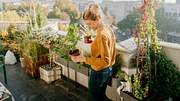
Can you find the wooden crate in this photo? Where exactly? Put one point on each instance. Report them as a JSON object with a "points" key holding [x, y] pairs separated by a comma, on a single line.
{"points": [[50, 75]]}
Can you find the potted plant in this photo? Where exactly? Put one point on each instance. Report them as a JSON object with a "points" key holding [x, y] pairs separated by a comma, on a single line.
{"points": [[50, 72], [35, 55], [87, 34], [66, 45]]}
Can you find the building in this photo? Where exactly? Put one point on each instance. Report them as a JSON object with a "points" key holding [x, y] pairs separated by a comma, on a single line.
{"points": [[120, 9], [21, 25], [117, 8], [173, 37], [168, 1], [178, 1], [172, 10], [15, 2], [81, 4], [47, 4]]}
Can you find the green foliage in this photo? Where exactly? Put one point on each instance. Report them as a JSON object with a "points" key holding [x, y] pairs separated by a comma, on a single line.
{"points": [[1, 47], [160, 78], [166, 81], [157, 75], [41, 16], [11, 16], [19, 36], [11, 32], [36, 14], [64, 7], [32, 49], [116, 68], [137, 89], [65, 44]]}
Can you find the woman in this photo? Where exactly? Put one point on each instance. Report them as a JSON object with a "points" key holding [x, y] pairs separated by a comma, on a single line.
{"points": [[102, 53]]}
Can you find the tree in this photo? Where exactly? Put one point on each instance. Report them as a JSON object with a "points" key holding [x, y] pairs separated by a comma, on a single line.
{"points": [[10, 16], [64, 7], [37, 15], [9, 6], [130, 22], [41, 16]]}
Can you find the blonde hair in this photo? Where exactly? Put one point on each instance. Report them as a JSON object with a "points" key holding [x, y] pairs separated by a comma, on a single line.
{"points": [[92, 12]]}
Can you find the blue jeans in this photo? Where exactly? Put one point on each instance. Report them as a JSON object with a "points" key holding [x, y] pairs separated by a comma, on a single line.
{"points": [[98, 83]]}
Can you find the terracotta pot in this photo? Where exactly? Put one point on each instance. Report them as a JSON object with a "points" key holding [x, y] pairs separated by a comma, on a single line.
{"points": [[87, 39], [74, 52]]}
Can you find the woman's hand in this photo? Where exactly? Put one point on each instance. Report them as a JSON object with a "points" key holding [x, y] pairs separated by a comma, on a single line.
{"points": [[75, 58], [79, 58]]}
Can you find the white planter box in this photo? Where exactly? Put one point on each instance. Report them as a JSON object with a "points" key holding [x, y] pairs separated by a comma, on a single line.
{"points": [[75, 76], [82, 79], [112, 94], [75, 73], [64, 70], [50, 75], [72, 74]]}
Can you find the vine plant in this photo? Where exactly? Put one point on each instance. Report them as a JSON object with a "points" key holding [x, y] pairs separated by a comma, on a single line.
{"points": [[146, 39]]}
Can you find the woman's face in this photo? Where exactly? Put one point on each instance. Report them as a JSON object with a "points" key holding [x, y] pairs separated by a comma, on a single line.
{"points": [[93, 24]]}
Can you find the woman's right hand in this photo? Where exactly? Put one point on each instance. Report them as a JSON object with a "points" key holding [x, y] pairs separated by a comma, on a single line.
{"points": [[75, 58], [79, 58]]}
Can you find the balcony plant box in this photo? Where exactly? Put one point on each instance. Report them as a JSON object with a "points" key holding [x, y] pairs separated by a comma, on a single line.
{"points": [[80, 73]]}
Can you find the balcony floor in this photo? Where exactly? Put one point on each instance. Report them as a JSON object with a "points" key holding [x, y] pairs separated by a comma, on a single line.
{"points": [[25, 88]]}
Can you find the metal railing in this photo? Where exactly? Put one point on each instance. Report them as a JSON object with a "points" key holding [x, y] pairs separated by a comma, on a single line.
{"points": [[2, 66]]}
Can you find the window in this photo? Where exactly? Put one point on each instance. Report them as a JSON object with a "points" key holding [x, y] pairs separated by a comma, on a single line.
{"points": [[166, 14], [175, 14], [170, 14]]}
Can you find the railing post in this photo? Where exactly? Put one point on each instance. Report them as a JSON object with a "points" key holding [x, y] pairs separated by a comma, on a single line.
{"points": [[2, 65]]}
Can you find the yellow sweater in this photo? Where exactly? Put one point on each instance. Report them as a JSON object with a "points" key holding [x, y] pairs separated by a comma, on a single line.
{"points": [[103, 50]]}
